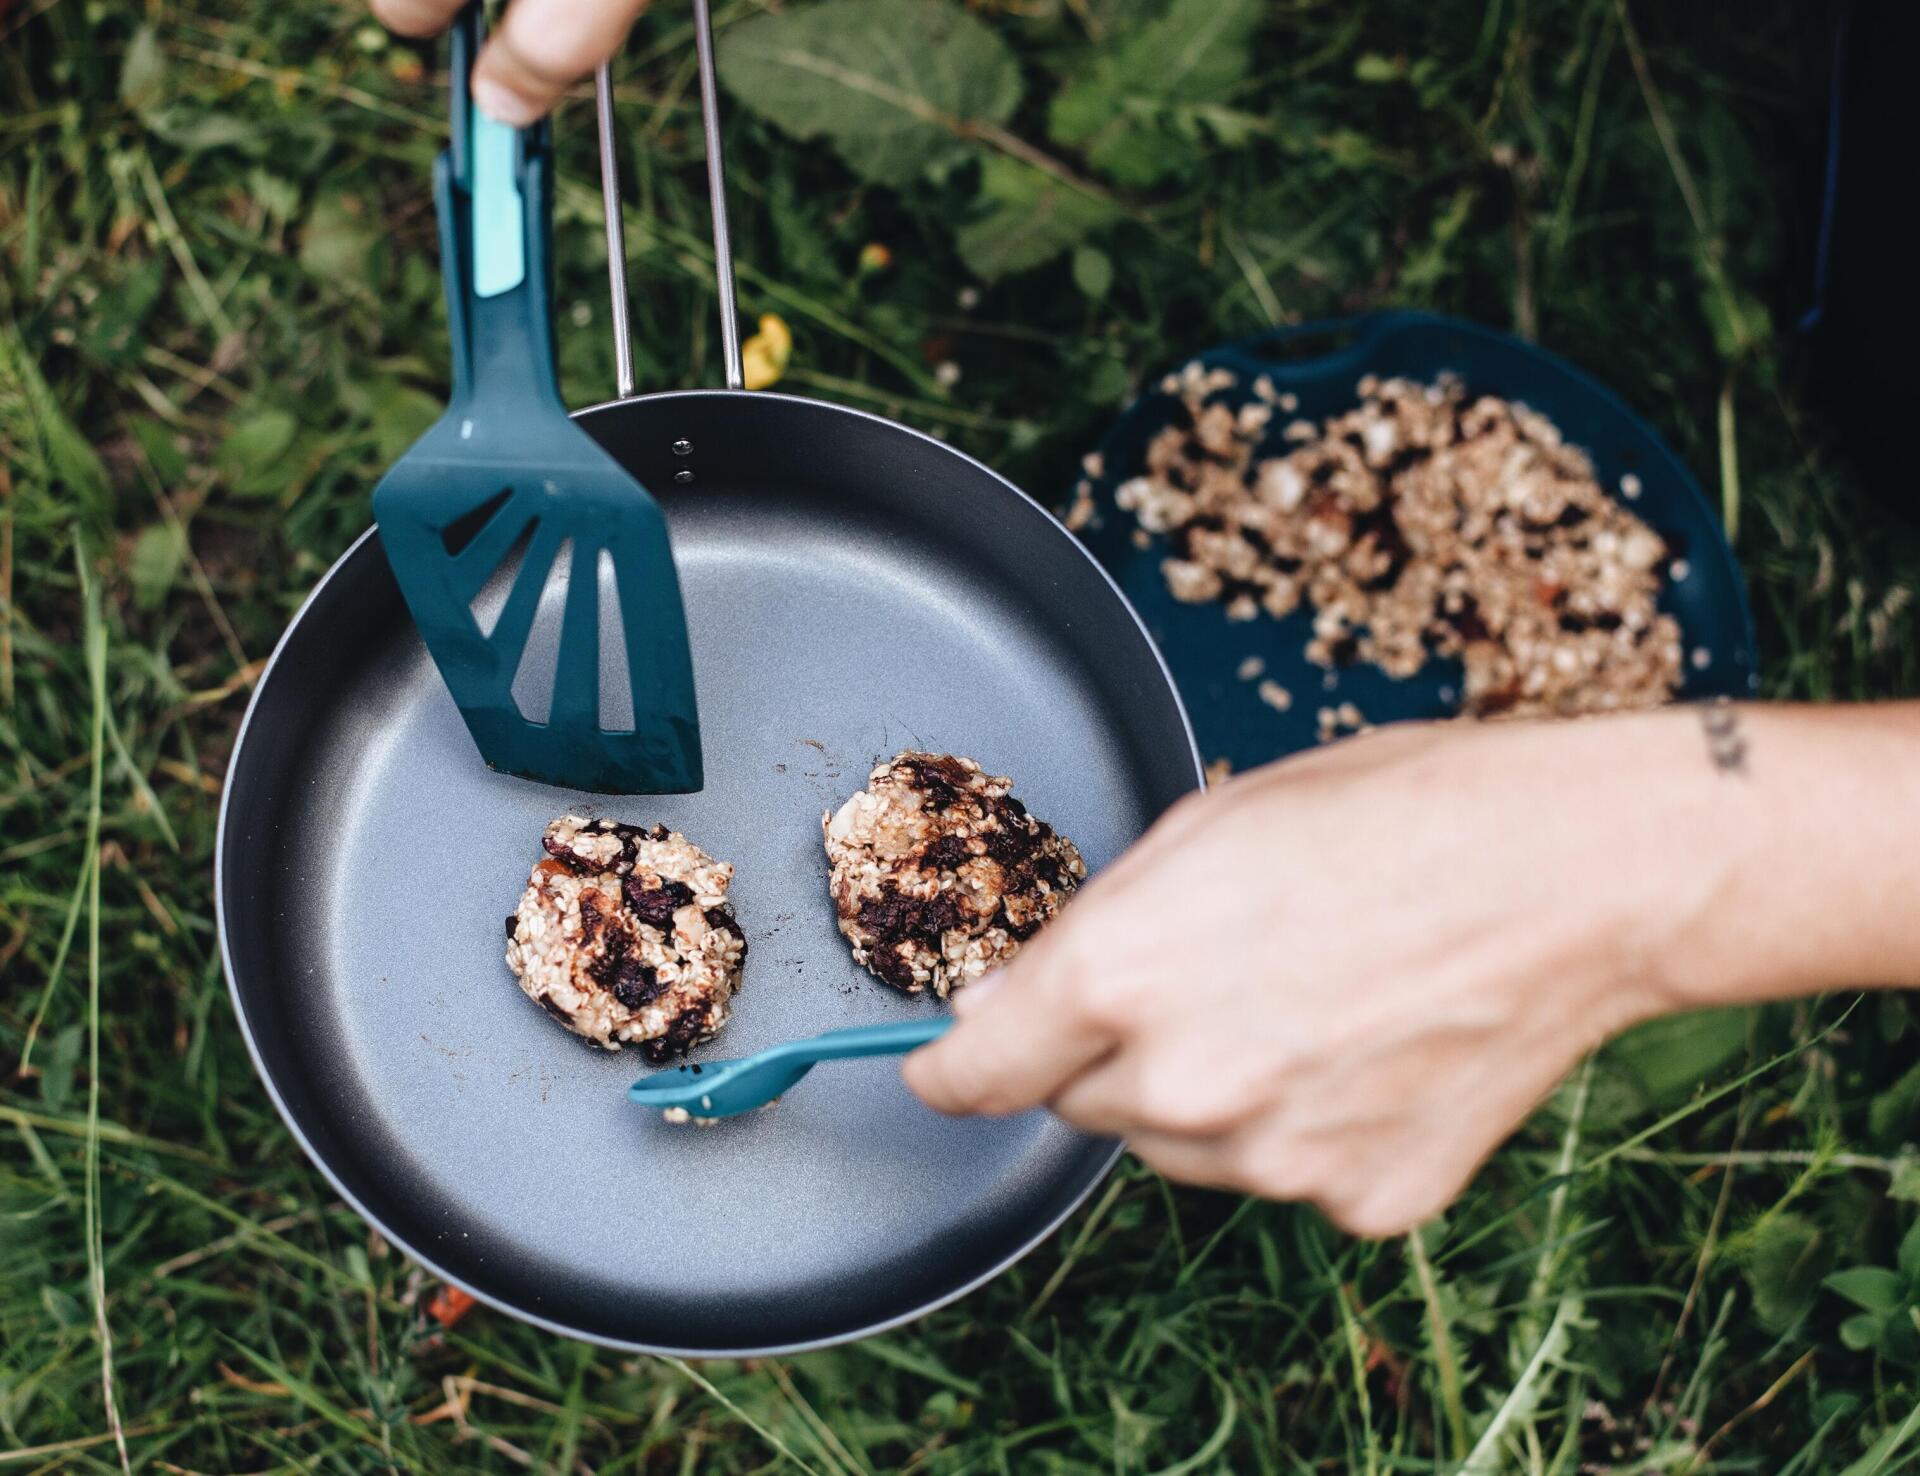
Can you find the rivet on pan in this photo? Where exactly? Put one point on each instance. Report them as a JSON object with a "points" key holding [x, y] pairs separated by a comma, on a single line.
{"points": [[683, 476], [683, 448]]}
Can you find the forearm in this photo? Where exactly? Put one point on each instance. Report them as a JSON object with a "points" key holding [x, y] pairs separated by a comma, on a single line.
{"points": [[1803, 825]]}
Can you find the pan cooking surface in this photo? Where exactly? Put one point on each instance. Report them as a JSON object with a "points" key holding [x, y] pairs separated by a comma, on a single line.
{"points": [[370, 861]]}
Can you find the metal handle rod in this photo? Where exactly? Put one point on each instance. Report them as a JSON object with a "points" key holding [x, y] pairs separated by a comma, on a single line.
{"points": [[717, 195], [616, 234], [717, 198]]}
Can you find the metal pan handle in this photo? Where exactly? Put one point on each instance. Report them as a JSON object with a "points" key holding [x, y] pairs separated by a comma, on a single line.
{"points": [[717, 198]]}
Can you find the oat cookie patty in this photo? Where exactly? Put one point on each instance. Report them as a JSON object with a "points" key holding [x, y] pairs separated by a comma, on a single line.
{"points": [[624, 935], [939, 874]]}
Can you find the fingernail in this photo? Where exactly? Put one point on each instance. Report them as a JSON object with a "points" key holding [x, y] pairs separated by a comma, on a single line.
{"points": [[503, 104], [975, 993]]}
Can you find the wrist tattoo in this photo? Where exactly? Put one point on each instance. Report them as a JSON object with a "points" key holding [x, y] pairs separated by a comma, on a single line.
{"points": [[1726, 740]]}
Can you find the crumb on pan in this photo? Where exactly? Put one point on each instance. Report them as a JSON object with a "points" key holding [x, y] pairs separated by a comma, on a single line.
{"points": [[939, 874], [1422, 522], [624, 935], [681, 1117]]}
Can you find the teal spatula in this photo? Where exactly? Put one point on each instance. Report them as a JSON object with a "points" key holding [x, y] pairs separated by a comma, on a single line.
{"points": [[729, 1088], [505, 491]]}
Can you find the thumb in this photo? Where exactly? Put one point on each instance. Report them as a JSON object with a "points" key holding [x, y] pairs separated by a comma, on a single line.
{"points": [[1019, 1038], [542, 48]]}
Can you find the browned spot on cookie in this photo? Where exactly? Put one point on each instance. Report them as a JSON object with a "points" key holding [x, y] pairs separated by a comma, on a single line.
{"points": [[947, 853], [634, 983], [656, 906]]}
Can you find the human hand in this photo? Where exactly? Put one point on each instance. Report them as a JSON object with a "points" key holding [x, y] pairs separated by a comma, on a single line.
{"points": [[1347, 977], [541, 48]]}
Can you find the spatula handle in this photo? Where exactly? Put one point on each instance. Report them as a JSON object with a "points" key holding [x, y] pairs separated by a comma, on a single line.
{"points": [[493, 193]]}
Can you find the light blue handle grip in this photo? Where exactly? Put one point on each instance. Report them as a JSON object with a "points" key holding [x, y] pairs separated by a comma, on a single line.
{"points": [[499, 212]]}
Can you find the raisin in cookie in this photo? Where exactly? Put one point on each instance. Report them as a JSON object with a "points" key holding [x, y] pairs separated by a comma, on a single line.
{"points": [[939, 874], [624, 934]]}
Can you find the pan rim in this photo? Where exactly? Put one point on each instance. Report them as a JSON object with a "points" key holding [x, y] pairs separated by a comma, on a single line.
{"points": [[1044, 1230]]}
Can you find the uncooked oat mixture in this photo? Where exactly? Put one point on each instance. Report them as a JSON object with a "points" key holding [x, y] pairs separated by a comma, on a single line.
{"points": [[624, 935], [939, 874], [1423, 522]]}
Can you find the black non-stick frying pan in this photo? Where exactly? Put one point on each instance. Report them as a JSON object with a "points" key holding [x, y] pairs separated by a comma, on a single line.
{"points": [[852, 588]]}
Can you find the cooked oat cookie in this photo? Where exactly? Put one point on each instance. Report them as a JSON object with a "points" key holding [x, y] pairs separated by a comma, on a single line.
{"points": [[939, 874], [624, 935]]}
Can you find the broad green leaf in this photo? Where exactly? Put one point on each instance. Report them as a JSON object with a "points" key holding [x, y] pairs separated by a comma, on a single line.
{"points": [[1107, 382], [1672, 1055], [1896, 1111], [73, 462], [337, 241], [1784, 1270], [1126, 112], [157, 556], [162, 450], [1092, 271], [277, 196], [400, 418], [892, 85], [1877, 1289], [1231, 126], [58, 1063], [1861, 1331], [114, 329], [1899, 1339], [62, 1307], [248, 455], [143, 68], [1909, 1258], [197, 131], [1032, 218], [1373, 67]]}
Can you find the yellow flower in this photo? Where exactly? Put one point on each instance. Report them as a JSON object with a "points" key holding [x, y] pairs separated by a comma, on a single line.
{"points": [[763, 358]]}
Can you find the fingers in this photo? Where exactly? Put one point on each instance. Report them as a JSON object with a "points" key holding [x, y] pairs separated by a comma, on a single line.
{"points": [[1162, 1085], [1012, 1047], [1274, 1165], [542, 48], [416, 17]]}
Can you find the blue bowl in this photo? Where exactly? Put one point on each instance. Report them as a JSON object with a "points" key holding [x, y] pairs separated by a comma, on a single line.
{"points": [[1320, 363]]}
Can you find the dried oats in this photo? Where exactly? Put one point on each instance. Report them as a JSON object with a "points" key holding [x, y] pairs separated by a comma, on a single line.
{"points": [[1422, 522]]}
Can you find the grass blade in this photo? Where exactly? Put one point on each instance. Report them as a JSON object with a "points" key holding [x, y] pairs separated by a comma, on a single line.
{"points": [[95, 636]]}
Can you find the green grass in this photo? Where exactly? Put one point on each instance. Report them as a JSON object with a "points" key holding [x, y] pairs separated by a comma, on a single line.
{"points": [[219, 319]]}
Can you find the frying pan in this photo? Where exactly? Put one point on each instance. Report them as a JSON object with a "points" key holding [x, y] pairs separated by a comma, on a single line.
{"points": [[1319, 364], [852, 588]]}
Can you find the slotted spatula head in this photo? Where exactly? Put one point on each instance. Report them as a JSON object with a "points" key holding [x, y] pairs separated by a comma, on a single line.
{"points": [[507, 522]]}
